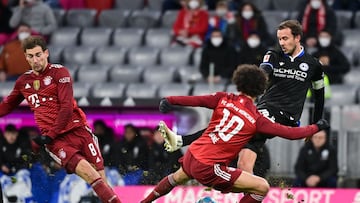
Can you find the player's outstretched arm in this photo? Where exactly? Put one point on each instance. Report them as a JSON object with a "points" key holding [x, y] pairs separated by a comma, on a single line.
{"points": [[266, 126]]}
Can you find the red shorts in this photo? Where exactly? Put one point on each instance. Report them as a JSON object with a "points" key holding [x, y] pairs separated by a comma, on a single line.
{"points": [[217, 176], [79, 141]]}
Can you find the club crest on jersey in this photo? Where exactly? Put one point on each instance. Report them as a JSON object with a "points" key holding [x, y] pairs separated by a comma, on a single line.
{"points": [[47, 80], [266, 58], [304, 66], [36, 84]]}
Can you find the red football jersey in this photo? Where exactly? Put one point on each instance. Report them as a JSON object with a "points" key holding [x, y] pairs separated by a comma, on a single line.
{"points": [[234, 121], [50, 97]]}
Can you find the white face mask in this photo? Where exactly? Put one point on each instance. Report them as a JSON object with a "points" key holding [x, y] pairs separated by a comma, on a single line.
{"points": [[23, 35], [315, 4], [193, 4], [324, 41], [247, 14], [220, 12], [253, 42], [216, 41]]}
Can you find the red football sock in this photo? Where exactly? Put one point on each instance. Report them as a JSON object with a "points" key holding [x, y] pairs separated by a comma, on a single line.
{"points": [[252, 198], [104, 192], [161, 189]]}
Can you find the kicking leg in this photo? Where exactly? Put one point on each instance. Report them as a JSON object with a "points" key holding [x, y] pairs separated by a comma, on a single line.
{"points": [[255, 187], [166, 185]]}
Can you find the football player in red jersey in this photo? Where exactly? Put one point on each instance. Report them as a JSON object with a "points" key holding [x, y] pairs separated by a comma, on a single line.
{"points": [[235, 120], [47, 88]]}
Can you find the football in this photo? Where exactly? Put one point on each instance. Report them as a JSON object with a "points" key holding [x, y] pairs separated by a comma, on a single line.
{"points": [[206, 200]]}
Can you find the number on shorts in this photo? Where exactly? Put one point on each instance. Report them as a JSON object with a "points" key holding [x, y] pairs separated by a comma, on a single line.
{"points": [[222, 130], [92, 149]]}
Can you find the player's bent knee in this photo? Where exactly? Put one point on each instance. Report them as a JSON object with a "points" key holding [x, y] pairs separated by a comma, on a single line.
{"points": [[264, 187], [73, 162]]}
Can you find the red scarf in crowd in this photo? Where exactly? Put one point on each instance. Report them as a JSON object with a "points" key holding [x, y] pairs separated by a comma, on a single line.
{"points": [[320, 18]]}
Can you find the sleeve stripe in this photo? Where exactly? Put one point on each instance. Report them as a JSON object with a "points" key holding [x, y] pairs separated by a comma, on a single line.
{"points": [[318, 84], [267, 64]]}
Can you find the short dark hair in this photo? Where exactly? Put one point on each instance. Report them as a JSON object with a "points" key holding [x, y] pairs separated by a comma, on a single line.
{"points": [[10, 128], [294, 25], [250, 80], [33, 41]]}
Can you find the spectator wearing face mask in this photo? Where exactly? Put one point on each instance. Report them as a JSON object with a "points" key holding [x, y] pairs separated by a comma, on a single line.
{"points": [[315, 16], [191, 24], [223, 20], [222, 55], [35, 13], [12, 59], [253, 51], [250, 19], [335, 63]]}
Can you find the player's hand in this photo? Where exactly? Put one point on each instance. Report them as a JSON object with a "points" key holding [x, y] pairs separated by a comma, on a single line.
{"points": [[323, 124], [42, 140], [165, 106]]}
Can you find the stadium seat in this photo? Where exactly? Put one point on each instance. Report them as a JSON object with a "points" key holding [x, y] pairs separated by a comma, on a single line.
{"points": [[110, 55], [81, 89], [158, 38], [78, 55], [128, 37], [143, 56], [65, 36], [168, 18], [262, 5], [273, 19], [93, 73], [55, 53], [73, 72], [357, 19], [174, 89], [126, 74], [110, 90], [204, 88], [155, 5], [159, 75], [175, 56], [81, 17], [351, 38], [284, 5], [59, 16], [232, 89], [141, 91], [343, 19], [351, 54], [144, 19], [349, 141], [97, 37], [6, 88], [196, 57], [342, 95], [189, 74], [129, 4], [283, 155], [352, 77], [114, 18], [293, 15]]}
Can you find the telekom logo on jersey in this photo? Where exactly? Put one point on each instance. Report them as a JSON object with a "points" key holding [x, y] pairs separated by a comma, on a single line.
{"points": [[34, 100]]}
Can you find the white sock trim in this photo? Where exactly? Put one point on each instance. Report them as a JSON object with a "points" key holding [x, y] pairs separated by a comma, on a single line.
{"points": [[257, 197]]}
